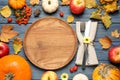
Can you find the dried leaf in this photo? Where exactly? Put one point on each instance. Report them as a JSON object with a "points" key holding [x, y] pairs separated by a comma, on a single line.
{"points": [[65, 2], [17, 45], [115, 33], [90, 3], [7, 33], [106, 19], [112, 7], [70, 19], [106, 1], [105, 42], [5, 11], [96, 15], [34, 2]]}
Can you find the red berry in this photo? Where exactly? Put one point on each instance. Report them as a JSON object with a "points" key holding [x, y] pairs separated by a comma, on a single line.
{"points": [[75, 68], [9, 20], [61, 14], [71, 70]]}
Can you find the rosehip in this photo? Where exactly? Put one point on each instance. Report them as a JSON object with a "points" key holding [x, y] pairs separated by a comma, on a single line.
{"points": [[75, 68], [71, 70], [9, 20], [61, 14]]}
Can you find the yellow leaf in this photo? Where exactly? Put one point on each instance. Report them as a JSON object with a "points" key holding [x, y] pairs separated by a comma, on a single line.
{"points": [[106, 19], [5, 11], [70, 19], [65, 2], [112, 7], [34, 2], [115, 33], [90, 3], [96, 15], [17, 45], [7, 33]]}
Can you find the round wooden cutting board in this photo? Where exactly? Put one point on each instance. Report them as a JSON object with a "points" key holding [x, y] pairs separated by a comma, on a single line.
{"points": [[50, 43]]}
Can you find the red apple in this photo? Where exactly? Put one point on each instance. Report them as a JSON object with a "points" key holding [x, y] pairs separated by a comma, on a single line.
{"points": [[114, 54], [4, 49], [49, 75], [77, 6]]}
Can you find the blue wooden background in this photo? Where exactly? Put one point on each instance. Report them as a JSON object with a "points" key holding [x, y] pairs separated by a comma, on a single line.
{"points": [[101, 32]]}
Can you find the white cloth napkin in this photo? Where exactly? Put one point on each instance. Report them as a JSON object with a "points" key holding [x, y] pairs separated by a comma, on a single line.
{"points": [[92, 58]]}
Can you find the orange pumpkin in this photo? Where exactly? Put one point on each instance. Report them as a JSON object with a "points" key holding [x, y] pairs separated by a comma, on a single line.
{"points": [[17, 4], [106, 72], [14, 67]]}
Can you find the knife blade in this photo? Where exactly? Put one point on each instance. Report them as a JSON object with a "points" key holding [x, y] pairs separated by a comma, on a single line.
{"points": [[86, 34]]}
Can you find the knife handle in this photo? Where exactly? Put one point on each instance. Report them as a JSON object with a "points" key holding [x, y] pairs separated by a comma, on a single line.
{"points": [[85, 56]]}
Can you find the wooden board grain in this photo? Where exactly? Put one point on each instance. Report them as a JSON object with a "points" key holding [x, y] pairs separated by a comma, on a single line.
{"points": [[50, 43]]}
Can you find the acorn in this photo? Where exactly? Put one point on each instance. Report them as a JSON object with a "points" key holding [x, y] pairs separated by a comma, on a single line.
{"points": [[37, 12]]}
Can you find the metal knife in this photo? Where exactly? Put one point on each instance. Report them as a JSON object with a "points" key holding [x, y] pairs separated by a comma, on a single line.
{"points": [[86, 35]]}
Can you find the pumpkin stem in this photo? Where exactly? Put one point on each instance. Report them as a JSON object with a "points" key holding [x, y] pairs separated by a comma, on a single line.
{"points": [[78, 2], [9, 76], [48, 78], [118, 53]]}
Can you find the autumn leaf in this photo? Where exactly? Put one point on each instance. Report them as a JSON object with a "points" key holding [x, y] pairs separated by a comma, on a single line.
{"points": [[96, 15], [34, 2], [7, 33], [6, 11], [106, 19], [115, 33], [90, 3], [65, 2], [110, 6], [105, 42], [17, 45], [70, 19]]}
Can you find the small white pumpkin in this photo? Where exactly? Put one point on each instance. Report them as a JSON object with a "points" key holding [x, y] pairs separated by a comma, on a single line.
{"points": [[50, 6], [80, 77]]}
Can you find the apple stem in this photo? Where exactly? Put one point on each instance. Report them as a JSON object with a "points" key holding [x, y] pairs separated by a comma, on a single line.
{"points": [[78, 1], [48, 78], [49, 2], [118, 53], [9, 76]]}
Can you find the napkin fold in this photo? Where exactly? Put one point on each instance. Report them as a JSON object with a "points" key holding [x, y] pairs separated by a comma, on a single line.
{"points": [[92, 58]]}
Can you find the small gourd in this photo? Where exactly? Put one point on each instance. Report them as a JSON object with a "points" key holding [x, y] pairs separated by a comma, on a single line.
{"points": [[17, 4], [50, 6], [106, 72]]}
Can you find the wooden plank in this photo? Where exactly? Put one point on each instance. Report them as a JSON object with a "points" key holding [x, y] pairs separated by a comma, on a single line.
{"points": [[83, 17], [88, 71], [101, 31], [102, 55]]}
